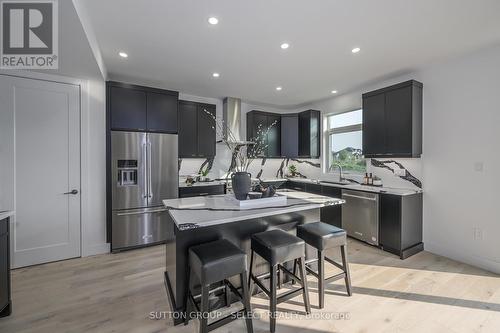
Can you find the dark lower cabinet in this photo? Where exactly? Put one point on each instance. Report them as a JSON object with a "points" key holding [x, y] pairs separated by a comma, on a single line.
{"points": [[400, 217], [332, 214], [201, 191], [329, 214], [296, 186], [400, 224], [5, 299]]}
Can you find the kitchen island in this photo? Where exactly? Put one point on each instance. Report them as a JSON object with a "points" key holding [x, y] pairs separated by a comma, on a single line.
{"points": [[203, 219]]}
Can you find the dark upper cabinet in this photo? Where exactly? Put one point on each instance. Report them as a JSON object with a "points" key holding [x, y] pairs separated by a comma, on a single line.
{"points": [[162, 111], [128, 108], [293, 134], [290, 135], [310, 134], [373, 124], [201, 191], [138, 108], [258, 123], [196, 129], [274, 136], [188, 120], [392, 121], [206, 130]]}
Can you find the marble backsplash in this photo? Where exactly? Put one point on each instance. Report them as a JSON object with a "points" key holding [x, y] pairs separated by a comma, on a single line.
{"points": [[398, 173]]}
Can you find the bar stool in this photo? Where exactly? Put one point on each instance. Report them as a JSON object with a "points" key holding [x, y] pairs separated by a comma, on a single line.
{"points": [[215, 262], [323, 236], [277, 247]]}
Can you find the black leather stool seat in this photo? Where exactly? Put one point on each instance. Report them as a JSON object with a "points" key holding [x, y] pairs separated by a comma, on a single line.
{"points": [[217, 260], [322, 235], [278, 246]]}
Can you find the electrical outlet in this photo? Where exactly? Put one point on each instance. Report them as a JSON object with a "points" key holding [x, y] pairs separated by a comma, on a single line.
{"points": [[478, 233], [478, 166], [400, 172]]}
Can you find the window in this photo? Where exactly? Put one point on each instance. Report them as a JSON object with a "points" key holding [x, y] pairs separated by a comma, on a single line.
{"points": [[345, 141]]}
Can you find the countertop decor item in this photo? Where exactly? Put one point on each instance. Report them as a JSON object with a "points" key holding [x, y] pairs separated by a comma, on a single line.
{"points": [[276, 200], [243, 154], [241, 182]]}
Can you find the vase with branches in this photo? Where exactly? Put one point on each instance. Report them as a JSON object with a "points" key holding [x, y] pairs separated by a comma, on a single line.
{"points": [[243, 153]]}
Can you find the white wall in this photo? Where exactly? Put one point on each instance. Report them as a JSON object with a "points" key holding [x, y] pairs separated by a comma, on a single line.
{"points": [[461, 130], [94, 168]]}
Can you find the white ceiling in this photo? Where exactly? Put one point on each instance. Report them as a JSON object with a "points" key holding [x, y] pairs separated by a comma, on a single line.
{"points": [[171, 45]]}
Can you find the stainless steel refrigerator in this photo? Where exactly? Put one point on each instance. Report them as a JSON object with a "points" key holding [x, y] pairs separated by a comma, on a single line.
{"points": [[143, 173]]}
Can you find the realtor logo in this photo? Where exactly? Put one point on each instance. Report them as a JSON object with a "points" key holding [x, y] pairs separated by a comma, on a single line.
{"points": [[29, 34]]}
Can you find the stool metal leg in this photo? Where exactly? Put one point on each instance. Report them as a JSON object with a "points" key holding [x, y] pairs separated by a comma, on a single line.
{"points": [[321, 279], [294, 270], [204, 308], [346, 270], [246, 302], [187, 296], [250, 280], [279, 277], [227, 294], [273, 300], [303, 278]]}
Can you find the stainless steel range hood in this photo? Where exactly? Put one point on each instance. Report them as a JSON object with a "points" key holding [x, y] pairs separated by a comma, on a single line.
{"points": [[231, 114]]}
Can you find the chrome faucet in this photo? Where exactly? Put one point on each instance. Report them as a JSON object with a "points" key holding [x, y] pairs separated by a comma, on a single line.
{"points": [[341, 175]]}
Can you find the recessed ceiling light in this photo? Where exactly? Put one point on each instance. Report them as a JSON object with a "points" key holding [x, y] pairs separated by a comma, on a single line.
{"points": [[213, 20], [334, 91], [215, 74], [279, 88], [123, 54], [284, 46], [356, 50]]}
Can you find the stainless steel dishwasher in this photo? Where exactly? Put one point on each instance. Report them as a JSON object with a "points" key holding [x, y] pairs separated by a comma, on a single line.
{"points": [[360, 217]]}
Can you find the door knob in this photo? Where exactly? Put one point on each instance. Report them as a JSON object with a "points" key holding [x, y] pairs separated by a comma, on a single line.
{"points": [[72, 192]]}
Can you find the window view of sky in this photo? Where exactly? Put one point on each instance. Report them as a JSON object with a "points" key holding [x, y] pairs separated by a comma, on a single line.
{"points": [[346, 146], [346, 119]]}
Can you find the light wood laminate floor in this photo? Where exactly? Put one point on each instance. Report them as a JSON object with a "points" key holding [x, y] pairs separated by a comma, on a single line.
{"points": [[117, 293]]}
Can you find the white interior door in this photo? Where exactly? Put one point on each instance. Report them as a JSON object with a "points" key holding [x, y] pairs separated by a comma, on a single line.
{"points": [[40, 125]]}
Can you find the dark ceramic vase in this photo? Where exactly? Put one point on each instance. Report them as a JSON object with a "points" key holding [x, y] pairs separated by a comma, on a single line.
{"points": [[241, 183]]}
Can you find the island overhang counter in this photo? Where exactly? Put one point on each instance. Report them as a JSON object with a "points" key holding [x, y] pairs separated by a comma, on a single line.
{"points": [[203, 219]]}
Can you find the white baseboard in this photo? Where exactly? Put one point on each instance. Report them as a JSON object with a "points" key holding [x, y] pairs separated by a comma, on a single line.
{"points": [[92, 250], [472, 260]]}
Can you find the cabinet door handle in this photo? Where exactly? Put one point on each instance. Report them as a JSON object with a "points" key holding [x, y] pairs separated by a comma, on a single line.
{"points": [[71, 192], [358, 197]]}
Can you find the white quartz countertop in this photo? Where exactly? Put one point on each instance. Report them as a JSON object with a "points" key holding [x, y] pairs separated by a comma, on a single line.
{"points": [[196, 212], [359, 187], [5, 214]]}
